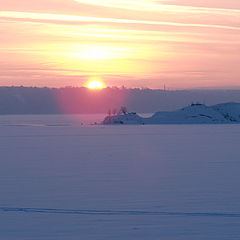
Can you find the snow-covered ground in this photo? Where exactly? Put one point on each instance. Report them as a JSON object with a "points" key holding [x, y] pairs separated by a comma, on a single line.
{"points": [[66, 181], [192, 114]]}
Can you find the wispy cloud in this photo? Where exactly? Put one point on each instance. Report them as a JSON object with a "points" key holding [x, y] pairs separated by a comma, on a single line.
{"points": [[143, 5], [28, 16]]}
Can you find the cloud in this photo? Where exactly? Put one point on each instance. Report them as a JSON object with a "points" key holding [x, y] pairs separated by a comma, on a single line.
{"points": [[224, 4], [165, 5], [55, 18]]}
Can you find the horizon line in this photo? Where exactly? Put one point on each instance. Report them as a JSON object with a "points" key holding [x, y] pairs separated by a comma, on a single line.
{"points": [[167, 89]]}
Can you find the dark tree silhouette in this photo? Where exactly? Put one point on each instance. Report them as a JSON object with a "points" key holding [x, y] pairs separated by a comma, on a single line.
{"points": [[123, 110]]}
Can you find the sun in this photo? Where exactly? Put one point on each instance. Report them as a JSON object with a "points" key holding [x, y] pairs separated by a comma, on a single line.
{"points": [[95, 84]]}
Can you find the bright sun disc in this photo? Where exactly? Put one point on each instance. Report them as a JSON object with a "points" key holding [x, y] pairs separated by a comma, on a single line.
{"points": [[95, 85]]}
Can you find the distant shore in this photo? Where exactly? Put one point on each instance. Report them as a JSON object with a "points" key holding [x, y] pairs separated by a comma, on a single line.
{"points": [[80, 100], [193, 114]]}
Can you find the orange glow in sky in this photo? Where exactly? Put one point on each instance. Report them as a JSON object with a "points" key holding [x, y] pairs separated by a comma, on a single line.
{"points": [[136, 43], [95, 84]]}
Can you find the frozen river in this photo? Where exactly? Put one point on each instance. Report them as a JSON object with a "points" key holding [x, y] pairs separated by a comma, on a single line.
{"points": [[63, 179]]}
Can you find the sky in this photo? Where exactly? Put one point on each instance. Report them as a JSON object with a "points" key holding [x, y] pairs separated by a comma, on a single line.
{"points": [[181, 44]]}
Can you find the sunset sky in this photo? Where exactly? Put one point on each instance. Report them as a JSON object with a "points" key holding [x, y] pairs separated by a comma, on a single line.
{"points": [[135, 43]]}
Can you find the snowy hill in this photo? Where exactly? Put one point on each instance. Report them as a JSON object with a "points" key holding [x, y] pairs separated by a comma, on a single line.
{"points": [[193, 114], [129, 118]]}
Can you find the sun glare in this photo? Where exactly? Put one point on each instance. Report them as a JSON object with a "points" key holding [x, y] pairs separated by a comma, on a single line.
{"points": [[95, 84]]}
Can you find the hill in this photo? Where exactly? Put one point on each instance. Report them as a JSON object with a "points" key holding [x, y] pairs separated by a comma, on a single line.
{"points": [[192, 114]]}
